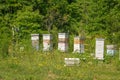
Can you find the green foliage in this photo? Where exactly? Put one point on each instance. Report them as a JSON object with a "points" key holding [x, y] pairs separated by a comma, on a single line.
{"points": [[28, 21], [96, 18]]}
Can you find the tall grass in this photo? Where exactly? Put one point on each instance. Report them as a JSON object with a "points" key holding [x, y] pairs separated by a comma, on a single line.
{"points": [[32, 65], [29, 64]]}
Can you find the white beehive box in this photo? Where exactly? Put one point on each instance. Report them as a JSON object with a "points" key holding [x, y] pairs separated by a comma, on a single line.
{"points": [[72, 61], [111, 49], [35, 41], [99, 52], [63, 42], [78, 45], [47, 42]]}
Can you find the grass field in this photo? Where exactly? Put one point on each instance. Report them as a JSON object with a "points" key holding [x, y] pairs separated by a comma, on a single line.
{"points": [[50, 66]]}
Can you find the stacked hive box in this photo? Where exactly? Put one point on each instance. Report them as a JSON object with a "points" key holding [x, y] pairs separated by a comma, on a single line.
{"points": [[35, 41], [78, 45], [63, 42], [99, 49], [47, 42], [111, 49]]}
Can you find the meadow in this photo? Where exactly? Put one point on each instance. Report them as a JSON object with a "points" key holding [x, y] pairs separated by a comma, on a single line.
{"points": [[88, 19], [32, 65]]}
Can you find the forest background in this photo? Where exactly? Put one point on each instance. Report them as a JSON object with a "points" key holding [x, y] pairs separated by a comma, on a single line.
{"points": [[89, 18]]}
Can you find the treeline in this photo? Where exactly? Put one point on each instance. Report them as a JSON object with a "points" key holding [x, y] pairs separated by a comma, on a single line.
{"points": [[94, 18]]}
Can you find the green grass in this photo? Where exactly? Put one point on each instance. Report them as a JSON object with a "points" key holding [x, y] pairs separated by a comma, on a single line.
{"points": [[50, 66]]}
